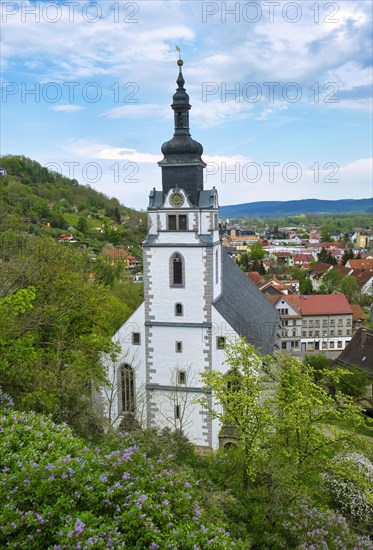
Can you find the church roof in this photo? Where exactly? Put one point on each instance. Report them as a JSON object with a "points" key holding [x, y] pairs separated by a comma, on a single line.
{"points": [[206, 199], [245, 308]]}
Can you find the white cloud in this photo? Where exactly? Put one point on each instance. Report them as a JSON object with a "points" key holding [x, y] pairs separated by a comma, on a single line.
{"points": [[67, 108]]}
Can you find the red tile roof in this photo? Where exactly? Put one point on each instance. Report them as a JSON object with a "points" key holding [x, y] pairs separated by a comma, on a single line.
{"points": [[320, 267], [303, 258], [256, 278], [361, 264], [324, 304], [357, 312]]}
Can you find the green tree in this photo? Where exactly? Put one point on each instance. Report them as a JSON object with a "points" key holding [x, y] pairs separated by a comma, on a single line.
{"points": [[348, 254], [305, 286], [325, 236], [331, 281], [51, 351], [239, 392], [350, 288], [243, 261], [256, 252], [82, 224], [280, 413], [325, 257]]}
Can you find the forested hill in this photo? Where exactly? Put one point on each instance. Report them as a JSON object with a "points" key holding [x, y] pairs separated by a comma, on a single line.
{"points": [[40, 201], [294, 208]]}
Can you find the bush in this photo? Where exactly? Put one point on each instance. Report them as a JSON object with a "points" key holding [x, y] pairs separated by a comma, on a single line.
{"points": [[57, 493]]}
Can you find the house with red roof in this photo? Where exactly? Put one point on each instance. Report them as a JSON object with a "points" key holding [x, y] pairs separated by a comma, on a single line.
{"points": [[302, 259], [315, 323], [326, 322], [291, 321]]}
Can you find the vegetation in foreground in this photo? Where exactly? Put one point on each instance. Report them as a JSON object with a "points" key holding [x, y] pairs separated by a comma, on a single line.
{"points": [[297, 478]]}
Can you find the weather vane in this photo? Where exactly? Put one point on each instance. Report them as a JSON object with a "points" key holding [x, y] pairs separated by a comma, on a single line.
{"points": [[179, 61]]}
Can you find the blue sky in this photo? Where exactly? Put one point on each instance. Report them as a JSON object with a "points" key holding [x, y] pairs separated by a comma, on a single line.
{"points": [[281, 93]]}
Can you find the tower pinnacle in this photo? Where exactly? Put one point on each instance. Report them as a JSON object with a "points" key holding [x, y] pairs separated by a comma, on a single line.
{"points": [[182, 164]]}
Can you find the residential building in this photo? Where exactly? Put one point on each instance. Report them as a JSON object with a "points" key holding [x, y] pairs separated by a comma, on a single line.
{"points": [[321, 323], [326, 322]]}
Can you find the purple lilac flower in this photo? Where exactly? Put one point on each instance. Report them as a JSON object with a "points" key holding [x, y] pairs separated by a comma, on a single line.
{"points": [[39, 518], [79, 526]]}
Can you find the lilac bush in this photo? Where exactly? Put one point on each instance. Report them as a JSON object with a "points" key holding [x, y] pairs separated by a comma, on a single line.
{"points": [[58, 493], [350, 484], [308, 528]]}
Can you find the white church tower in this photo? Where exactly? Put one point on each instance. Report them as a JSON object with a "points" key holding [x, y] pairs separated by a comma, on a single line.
{"points": [[195, 298]]}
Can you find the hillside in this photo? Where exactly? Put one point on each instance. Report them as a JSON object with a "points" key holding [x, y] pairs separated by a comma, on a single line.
{"points": [[39, 201], [291, 208]]}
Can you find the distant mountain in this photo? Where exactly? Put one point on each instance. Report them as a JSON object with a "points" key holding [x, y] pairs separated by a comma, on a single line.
{"points": [[265, 209]]}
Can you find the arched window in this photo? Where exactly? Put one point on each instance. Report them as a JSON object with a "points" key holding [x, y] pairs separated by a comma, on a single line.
{"points": [[126, 389], [179, 310], [177, 270]]}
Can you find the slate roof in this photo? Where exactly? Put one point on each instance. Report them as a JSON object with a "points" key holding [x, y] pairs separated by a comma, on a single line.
{"points": [[359, 351], [245, 308], [205, 199]]}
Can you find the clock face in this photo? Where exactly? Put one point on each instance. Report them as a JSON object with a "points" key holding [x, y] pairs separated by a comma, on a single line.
{"points": [[176, 199]]}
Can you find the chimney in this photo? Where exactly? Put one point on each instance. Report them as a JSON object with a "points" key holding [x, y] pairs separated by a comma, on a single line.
{"points": [[363, 337]]}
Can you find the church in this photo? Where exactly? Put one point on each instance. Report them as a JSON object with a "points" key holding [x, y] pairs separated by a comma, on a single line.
{"points": [[195, 299]]}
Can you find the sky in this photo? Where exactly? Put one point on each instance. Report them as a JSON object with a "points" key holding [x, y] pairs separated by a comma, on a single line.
{"points": [[281, 93]]}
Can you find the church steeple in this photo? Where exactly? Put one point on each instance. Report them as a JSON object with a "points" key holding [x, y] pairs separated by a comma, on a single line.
{"points": [[182, 165]]}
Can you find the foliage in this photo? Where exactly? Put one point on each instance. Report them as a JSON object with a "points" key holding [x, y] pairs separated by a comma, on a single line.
{"points": [[305, 286], [289, 433], [31, 197], [330, 281], [256, 251], [55, 325], [333, 281], [326, 257], [347, 255], [239, 393], [351, 381], [350, 483], [56, 492], [309, 528]]}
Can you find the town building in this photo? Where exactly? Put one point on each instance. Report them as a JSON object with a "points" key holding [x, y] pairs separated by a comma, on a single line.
{"points": [[321, 323], [195, 299]]}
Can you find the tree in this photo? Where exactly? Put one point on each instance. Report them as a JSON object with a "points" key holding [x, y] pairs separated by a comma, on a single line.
{"points": [[325, 236], [82, 224], [348, 254], [67, 494], [330, 281], [51, 355], [351, 381], [305, 286], [350, 288], [256, 252], [244, 261], [239, 392], [284, 420], [325, 257]]}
